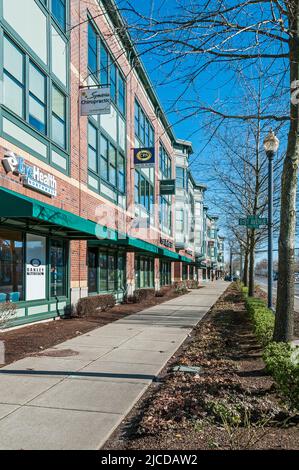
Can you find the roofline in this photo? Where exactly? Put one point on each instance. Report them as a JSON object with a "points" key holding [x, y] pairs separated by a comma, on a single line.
{"points": [[118, 21]]}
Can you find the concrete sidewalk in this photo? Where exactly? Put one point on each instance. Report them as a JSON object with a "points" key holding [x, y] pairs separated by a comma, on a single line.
{"points": [[75, 395]]}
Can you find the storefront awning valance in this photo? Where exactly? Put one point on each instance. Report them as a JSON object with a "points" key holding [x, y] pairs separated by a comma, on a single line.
{"points": [[40, 215], [184, 259], [141, 246]]}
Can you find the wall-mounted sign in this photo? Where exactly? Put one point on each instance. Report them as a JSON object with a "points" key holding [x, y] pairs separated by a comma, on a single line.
{"points": [[167, 187], [35, 267], [166, 242], [95, 101], [32, 176], [144, 157]]}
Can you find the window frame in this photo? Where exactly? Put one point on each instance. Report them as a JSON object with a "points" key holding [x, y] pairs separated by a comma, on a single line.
{"points": [[23, 122]]}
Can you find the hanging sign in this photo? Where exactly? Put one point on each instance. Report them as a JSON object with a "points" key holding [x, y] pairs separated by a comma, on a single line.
{"points": [[144, 157], [167, 187], [95, 101], [35, 267]]}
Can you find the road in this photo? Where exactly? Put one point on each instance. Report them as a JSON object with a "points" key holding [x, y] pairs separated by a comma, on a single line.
{"points": [[262, 281]]}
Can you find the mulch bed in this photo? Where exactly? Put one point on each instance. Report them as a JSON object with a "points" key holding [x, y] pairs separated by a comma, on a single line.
{"points": [[31, 339], [230, 404]]}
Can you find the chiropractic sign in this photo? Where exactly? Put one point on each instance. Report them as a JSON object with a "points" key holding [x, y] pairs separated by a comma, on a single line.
{"points": [[95, 101], [32, 176]]}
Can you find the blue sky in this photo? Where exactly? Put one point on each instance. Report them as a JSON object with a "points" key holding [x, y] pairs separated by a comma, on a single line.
{"points": [[213, 87]]}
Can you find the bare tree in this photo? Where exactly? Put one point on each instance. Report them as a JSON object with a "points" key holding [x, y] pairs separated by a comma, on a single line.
{"points": [[205, 34]]}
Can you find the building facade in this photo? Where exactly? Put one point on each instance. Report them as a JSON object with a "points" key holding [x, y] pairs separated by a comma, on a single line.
{"points": [[78, 216]]}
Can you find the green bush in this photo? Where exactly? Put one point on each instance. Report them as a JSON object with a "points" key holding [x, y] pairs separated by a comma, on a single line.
{"points": [[262, 318], [282, 362]]}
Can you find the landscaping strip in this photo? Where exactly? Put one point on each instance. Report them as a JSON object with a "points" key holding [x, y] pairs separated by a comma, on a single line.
{"points": [[230, 404]]}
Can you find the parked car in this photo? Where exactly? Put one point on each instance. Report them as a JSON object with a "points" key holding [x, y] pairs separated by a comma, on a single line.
{"points": [[228, 278], [236, 278], [275, 276], [296, 277]]}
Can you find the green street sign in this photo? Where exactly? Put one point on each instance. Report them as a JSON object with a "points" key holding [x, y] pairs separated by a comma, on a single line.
{"points": [[253, 221]]}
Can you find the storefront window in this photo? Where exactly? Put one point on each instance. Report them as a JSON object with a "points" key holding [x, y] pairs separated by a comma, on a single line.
{"points": [[92, 270], [11, 266], [165, 273], [58, 268], [111, 272], [111, 268], [121, 272], [145, 275], [185, 272]]}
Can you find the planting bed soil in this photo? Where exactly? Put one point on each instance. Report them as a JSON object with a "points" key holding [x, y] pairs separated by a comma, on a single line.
{"points": [[230, 403], [21, 342]]}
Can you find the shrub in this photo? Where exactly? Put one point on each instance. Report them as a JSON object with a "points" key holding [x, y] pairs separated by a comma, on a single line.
{"points": [[159, 293], [143, 294], [90, 306], [262, 318], [180, 288], [7, 313], [191, 284], [282, 362]]}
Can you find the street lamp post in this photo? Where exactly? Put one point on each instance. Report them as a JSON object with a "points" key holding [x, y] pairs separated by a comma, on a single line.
{"points": [[271, 144]]}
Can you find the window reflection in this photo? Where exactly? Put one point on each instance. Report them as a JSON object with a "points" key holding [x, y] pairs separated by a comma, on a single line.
{"points": [[11, 266]]}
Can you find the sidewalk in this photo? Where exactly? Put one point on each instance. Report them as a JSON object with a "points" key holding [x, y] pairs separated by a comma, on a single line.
{"points": [[75, 395]]}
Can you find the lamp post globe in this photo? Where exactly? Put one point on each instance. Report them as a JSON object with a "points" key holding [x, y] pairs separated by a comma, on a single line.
{"points": [[271, 143]]}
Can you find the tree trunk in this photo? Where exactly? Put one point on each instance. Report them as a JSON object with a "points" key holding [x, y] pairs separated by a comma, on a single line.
{"points": [[284, 319], [245, 271], [251, 264]]}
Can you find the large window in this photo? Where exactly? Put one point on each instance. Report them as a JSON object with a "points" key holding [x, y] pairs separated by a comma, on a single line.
{"points": [[179, 220], [144, 190], [106, 271], [58, 260], [144, 272], [103, 67], [59, 12], [37, 98], [165, 273], [25, 94], [144, 131], [11, 266], [180, 177], [105, 161], [58, 117], [165, 214], [164, 163], [13, 76], [185, 272], [13, 246], [93, 270]]}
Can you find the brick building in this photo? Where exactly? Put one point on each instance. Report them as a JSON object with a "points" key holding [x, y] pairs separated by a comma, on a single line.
{"points": [[77, 216]]}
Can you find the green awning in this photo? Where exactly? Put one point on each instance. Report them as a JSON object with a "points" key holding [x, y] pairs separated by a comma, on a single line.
{"points": [[17, 206], [14, 205], [184, 259]]}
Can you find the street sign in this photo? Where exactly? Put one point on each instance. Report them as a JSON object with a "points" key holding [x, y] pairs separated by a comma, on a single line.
{"points": [[242, 221], [253, 221]]}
